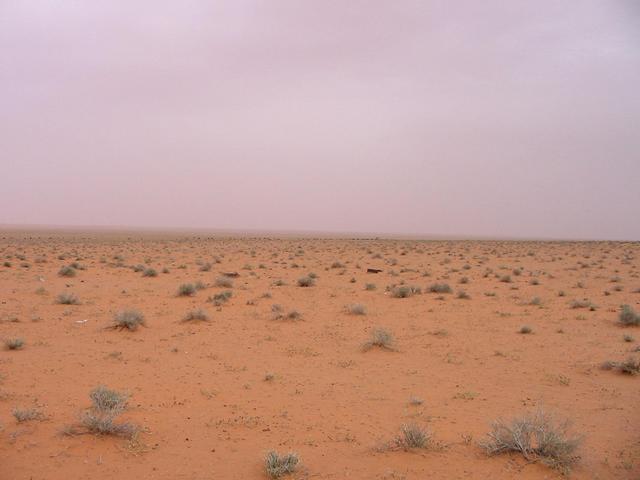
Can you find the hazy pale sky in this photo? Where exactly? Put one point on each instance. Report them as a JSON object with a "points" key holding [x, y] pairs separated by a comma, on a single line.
{"points": [[499, 118]]}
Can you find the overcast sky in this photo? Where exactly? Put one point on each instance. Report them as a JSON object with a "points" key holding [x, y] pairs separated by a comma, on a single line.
{"points": [[491, 118]]}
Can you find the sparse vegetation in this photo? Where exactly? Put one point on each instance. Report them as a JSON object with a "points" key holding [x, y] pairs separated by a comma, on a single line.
{"points": [[67, 299], [412, 436], [100, 418], [67, 271], [27, 414], [187, 290], [379, 338], [307, 281], [440, 288], [356, 309], [198, 315], [537, 437], [224, 282], [405, 291], [277, 465], [631, 366], [628, 317], [129, 319], [221, 298], [14, 343], [149, 272]]}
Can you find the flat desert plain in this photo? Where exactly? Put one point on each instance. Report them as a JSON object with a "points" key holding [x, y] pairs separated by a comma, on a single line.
{"points": [[287, 361]]}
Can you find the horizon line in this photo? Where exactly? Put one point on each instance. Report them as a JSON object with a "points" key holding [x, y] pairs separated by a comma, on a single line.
{"points": [[283, 233]]}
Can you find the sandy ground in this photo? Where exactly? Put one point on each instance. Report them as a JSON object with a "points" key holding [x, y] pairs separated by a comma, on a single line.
{"points": [[213, 397]]}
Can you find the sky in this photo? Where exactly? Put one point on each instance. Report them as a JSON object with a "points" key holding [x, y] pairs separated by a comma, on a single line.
{"points": [[461, 118]]}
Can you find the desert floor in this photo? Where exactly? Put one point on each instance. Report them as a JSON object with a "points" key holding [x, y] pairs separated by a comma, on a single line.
{"points": [[213, 397]]}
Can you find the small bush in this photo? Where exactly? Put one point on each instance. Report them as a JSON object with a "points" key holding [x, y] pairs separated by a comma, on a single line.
{"points": [[221, 298], [537, 437], [370, 286], [198, 315], [14, 343], [277, 465], [630, 367], [67, 271], [186, 290], [357, 309], [379, 338], [224, 282], [307, 281], [26, 414], [149, 272], [582, 304], [506, 279], [104, 399], [405, 291], [525, 329], [440, 288], [463, 295], [628, 317], [67, 299], [412, 436], [129, 319]]}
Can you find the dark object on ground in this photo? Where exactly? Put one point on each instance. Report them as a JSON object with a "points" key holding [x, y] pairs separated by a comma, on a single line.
{"points": [[373, 270], [231, 274]]}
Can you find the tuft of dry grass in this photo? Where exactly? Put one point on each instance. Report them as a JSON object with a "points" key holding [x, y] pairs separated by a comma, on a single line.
{"points": [[100, 418], [14, 343], [187, 290], [538, 437], [356, 309], [277, 465], [224, 282], [412, 436], [628, 317], [307, 281], [379, 338], [26, 414], [631, 366], [198, 315], [440, 288], [67, 299], [129, 319]]}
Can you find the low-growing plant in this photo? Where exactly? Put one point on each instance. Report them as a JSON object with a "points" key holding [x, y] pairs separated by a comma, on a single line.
{"points": [[277, 465], [379, 338], [525, 329], [67, 299], [26, 414], [129, 319], [67, 271], [370, 286], [306, 281], [186, 290], [221, 298], [198, 315], [100, 418], [357, 309], [628, 317], [224, 282], [631, 366], [149, 272], [412, 436], [14, 343], [405, 291], [440, 288], [538, 437]]}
